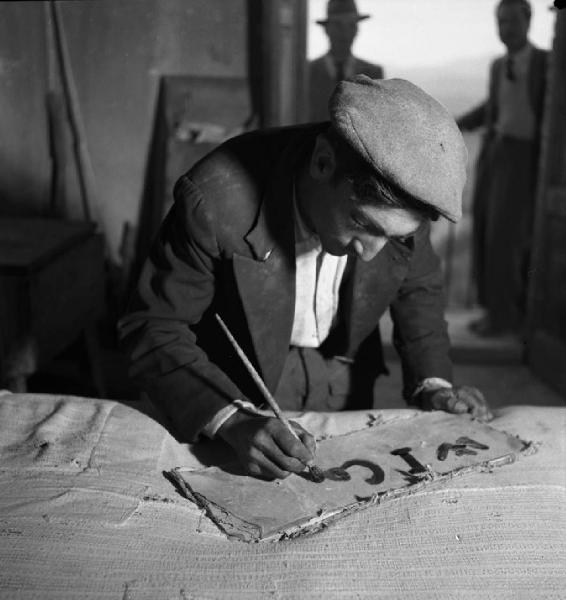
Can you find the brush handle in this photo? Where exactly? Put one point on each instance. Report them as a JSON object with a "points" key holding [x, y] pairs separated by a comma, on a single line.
{"points": [[258, 380]]}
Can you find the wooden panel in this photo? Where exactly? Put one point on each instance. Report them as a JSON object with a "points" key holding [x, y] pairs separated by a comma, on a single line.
{"points": [[556, 202], [51, 289], [25, 172], [26, 244], [118, 51], [546, 348], [551, 306], [200, 112], [547, 358], [66, 295], [187, 108]]}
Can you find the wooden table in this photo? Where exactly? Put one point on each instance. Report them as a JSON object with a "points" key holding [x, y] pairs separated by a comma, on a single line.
{"points": [[51, 292]]}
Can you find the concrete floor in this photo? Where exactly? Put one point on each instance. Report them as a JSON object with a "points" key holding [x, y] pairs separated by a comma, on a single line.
{"points": [[493, 365]]}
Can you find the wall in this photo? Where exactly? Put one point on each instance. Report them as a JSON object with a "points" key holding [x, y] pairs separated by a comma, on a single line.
{"points": [[547, 308], [118, 51], [24, 164]]}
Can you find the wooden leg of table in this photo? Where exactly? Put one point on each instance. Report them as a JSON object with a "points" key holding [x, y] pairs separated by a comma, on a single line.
{"points": [[20, 363], [18, 384], [95, 359]]}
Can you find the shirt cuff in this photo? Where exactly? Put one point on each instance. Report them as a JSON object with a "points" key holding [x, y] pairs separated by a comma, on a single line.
{"points": [[430, 384], [212, 427]]}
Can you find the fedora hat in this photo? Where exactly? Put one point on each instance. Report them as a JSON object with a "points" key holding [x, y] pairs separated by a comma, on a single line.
{"points": [[342, 10]]}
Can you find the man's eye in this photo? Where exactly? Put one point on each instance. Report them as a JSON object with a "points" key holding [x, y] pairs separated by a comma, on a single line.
{"points": [[357, 222], [406, 240]]}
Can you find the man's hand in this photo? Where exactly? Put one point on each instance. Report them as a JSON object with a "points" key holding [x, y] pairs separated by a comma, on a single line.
{"points": [[265, 447], [458, 400]]}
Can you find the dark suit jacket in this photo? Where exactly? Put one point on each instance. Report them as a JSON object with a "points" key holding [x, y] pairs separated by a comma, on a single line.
{"points": [[322, 83], [227, 246], [486, 113]]}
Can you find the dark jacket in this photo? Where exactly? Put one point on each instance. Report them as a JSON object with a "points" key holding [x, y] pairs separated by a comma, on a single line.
{"points": [[227, 247], [486, 113]]}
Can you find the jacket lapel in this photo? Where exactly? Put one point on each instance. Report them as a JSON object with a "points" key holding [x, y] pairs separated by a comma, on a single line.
{"points": [[266, 281], [370, 289]]}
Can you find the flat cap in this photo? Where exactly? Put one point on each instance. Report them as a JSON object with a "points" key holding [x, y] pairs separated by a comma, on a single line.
{"points": [[407, 136]]}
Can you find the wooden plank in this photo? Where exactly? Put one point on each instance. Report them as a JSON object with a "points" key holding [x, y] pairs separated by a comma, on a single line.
{"points": [[547, 359], [28, 244], [67, 295]]}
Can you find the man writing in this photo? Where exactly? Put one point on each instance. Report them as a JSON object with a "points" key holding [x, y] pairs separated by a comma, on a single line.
{"points": [[300, 238]]}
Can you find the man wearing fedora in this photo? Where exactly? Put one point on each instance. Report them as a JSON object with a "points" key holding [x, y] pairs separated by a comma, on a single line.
{"points": [[300, 238], [341, 27]]}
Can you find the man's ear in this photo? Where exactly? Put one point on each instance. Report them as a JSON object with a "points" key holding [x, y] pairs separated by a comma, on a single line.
{"points": [[323, 160]]}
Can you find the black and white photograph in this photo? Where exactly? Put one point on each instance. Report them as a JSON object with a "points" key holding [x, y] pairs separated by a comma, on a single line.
{"points": [[282, 299]]}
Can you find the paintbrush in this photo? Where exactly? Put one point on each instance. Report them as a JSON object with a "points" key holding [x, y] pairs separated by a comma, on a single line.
{"points": [[315, 472]]}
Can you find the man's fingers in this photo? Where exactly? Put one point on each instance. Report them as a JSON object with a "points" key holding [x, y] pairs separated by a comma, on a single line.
{"points": [[259, 465], [266, 447], [446, 399], [459, 400], [309, 442], [289, 452], [307, 438], [476, 401]]}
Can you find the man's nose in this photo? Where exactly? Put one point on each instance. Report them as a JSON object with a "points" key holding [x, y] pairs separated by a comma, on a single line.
{"points": [[368, 248]]}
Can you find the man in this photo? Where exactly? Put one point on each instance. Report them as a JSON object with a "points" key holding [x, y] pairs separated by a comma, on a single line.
{"points": [[300, 238], [341, 27], [503, 206]]}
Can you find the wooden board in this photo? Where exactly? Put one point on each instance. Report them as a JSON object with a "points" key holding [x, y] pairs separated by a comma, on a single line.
{"points": [[252, 510], [27, 244]]}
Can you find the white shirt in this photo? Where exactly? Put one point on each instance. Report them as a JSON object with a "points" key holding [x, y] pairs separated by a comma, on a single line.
{"points": [[515, 116], [349, 66], [317, 287]]}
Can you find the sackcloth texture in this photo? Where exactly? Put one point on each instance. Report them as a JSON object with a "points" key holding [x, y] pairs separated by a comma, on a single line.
{"points": [[110, 525]]}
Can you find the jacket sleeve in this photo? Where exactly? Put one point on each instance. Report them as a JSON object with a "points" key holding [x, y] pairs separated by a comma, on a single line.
{"points": [[474, 118], [482, 115], [419, 329], [176, 287]]}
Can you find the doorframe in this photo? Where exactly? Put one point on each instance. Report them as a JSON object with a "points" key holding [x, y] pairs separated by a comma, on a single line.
{"points": [[546, 352]]}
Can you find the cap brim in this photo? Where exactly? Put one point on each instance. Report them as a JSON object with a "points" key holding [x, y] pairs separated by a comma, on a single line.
{"points": [[358, 18]]}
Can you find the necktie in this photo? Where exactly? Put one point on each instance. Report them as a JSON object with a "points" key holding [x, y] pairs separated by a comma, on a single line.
{"points": [[340, 70], [510, 69]]}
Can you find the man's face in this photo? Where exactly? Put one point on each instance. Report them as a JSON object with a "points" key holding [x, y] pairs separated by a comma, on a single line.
{"points": [[513, 26], [341, 34], [346, 225]]}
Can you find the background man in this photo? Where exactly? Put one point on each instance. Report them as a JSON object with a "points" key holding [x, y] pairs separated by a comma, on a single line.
{"points": [[341, 27], [300, 238], [506, 172]]}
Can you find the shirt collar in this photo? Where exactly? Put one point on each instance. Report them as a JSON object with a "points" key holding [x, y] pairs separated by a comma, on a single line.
{"points": [[302, 233], [331, 66], [523, 55]]}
